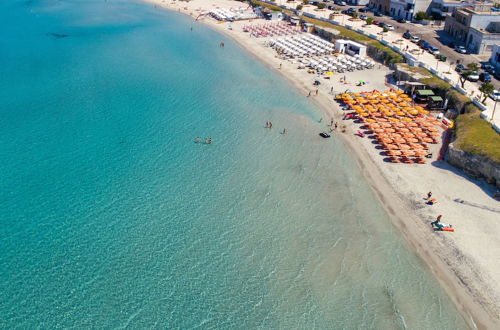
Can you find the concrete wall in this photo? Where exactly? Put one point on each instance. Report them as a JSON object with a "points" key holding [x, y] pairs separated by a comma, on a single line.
{"points": [[477, 166]]}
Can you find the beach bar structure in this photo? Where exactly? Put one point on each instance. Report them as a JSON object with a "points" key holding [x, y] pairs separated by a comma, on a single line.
{"points": [[350, 47]]}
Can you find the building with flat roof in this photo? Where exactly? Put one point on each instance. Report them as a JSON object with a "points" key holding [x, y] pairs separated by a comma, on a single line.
{"points": [[477, 26], [408, 8], [446, 7], [381, 6]]}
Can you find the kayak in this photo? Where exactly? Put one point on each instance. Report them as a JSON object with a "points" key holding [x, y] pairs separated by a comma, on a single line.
{"points": [[324, 135]]}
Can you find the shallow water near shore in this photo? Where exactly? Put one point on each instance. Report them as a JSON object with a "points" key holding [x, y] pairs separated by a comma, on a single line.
{"points": [[112, 216]]}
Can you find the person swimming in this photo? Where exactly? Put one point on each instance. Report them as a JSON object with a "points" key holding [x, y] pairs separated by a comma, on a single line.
{"points": [[197, 140]]}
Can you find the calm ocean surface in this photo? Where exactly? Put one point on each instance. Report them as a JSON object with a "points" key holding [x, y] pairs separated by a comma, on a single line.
{"points": [[111, 216]]}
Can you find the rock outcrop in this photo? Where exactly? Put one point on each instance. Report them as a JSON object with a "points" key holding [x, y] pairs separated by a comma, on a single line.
{"points": [[475, 165]]}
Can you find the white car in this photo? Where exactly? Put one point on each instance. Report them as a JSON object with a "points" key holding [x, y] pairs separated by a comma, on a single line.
{"points": [[495, 95], [474, 76], [414, 39], [461, 49], [389, 27]]}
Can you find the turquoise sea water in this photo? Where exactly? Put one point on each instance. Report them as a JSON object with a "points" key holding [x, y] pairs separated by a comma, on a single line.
{"points": [[111, 216]]}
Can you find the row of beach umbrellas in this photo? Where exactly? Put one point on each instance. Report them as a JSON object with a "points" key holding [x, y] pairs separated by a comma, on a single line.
{"points": [[402, 129]]}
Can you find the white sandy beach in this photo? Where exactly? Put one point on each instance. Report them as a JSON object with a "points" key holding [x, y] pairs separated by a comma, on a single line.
{"points": [[466, 262]]}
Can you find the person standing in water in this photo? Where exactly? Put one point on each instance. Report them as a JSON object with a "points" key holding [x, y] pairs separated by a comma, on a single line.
{"points": [[284, 131], [270, 125]]}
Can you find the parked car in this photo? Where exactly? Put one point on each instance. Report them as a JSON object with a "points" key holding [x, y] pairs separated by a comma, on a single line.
{"points": [[363, 10], [401, 20], [433, 50], [414, 39], [460, 67], [378, 14], [461, 49], [424, 44], [340, 3], [474, 76], [388, 27], [376, 23], [485, 77], [407, 35], [495, 95], [363, 17], [488, 67]]}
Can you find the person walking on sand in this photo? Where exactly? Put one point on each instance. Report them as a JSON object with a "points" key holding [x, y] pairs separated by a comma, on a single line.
{"points": [[309, 94], [429, 195], [335, 125], [317, 91], [280, 66], [331, 122]]}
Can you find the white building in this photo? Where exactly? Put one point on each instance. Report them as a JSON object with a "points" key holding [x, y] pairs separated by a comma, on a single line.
{"points": [[477, 26], [407, 9], [446, 7], [350, 47]]}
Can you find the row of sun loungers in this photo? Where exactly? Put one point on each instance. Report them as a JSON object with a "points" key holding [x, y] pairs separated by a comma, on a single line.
{"points": [[271, 30], [302, 46], [223, 14], [340, 63]]}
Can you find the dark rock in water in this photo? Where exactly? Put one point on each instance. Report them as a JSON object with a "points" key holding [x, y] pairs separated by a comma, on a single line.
{"points": [[57, 35]]}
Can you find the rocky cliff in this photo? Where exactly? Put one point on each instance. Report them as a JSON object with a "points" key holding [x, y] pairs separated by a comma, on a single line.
{"points": [[475, 165]]}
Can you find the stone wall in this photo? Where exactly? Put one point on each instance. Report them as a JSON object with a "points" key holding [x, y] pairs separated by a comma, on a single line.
{"points": [[475, 165]]}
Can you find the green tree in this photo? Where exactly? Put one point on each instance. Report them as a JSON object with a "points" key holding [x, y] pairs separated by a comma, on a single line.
{"points": [[299, 7], [385, 29], [305, 2], [321, 5], [471, 67], [420, 16], [369, 21], [486, 89], [355, 14]]}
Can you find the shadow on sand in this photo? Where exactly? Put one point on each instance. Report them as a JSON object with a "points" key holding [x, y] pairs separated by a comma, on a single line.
{"points": [[487, 188]]}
